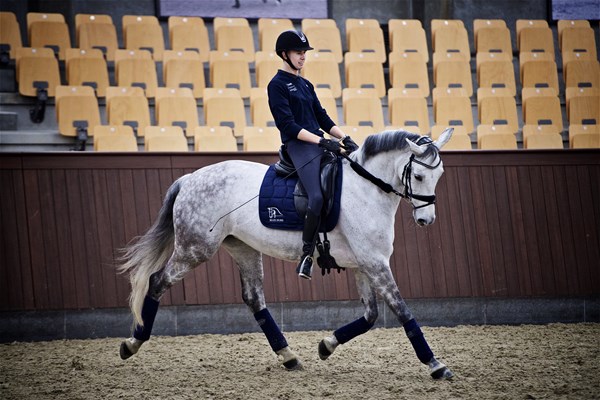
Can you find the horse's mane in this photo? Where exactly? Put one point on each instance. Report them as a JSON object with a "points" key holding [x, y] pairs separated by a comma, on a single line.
{"points": [[391, 140]]}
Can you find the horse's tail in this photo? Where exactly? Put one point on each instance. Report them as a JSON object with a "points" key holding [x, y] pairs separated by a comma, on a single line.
{"points": [[147, 254]]}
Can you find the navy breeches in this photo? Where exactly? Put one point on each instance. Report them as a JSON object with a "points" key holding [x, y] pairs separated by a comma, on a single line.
{"points": [[307, 160]]}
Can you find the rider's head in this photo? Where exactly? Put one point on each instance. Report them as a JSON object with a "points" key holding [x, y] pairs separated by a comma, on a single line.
{"points": [[291, 40]]}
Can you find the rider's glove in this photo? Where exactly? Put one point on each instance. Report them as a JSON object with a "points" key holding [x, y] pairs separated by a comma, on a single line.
{"points": [[349, 144], [330, 145]]}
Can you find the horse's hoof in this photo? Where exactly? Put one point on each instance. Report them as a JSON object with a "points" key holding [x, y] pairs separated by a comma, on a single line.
{"points": [[327, 347], [124, 351], [293, 365], [324, 352], [441, 374]]}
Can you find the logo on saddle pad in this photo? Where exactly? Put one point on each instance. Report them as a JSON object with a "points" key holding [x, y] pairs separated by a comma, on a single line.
{"points": [[275, 215]]}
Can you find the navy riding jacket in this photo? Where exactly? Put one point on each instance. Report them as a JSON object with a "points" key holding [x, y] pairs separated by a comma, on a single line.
{"points": [[294, 105]]}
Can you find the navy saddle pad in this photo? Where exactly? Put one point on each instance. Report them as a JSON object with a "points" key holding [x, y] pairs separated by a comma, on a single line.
{"points": [[276, 207]]}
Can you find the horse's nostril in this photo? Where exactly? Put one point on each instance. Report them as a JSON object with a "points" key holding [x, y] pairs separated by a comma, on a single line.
{"points": [[421, 222]]}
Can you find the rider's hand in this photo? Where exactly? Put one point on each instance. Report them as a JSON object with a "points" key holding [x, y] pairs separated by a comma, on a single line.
{"points": [[331, 145], [349, 144]]}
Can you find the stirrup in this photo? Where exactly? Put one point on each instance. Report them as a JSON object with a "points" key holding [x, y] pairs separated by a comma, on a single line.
{"points": [[304, 269]]}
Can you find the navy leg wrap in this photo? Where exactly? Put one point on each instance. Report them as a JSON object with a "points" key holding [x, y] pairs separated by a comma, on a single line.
{"points": [[352, 330], [413, 331], [271, 330], [149, 310]]}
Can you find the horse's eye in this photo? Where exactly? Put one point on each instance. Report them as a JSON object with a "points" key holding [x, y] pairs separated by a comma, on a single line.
{"points": [[418, 178]]}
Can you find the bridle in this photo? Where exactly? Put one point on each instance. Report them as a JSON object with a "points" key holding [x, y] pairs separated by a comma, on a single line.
{"points": [[405, 179]]}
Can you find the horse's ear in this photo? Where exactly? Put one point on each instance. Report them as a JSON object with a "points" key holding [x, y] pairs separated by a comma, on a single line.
{"points": [[415, 148], [444, 138]]}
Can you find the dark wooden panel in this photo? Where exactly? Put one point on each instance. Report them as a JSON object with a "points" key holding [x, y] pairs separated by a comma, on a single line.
{"points": [[509, 224]]}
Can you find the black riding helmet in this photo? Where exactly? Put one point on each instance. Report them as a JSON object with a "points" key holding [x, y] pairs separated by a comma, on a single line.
{"points": [[291, 41]]}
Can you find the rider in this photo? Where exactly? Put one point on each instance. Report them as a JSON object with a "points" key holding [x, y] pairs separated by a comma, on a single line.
{"points": [[301, 120]]}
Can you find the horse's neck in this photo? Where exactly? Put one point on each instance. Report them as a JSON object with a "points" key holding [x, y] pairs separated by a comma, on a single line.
{"points": [[386, 167]]}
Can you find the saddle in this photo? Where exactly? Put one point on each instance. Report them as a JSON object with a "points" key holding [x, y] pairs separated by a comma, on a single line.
{"points": [[283, 201], [329, 170]]}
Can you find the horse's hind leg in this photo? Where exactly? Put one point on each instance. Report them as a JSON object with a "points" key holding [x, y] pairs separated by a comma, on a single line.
{"points": [[348, 332], [160, 282], [250, 265]]}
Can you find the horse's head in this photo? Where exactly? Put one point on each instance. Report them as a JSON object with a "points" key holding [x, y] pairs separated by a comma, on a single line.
{"points": [[421, 174]]}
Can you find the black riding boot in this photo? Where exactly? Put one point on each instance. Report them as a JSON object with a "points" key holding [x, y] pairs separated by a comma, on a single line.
{"points": [[311, 227]]}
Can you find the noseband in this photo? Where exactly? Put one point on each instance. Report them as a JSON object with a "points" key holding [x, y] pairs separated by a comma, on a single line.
{"points": [[406, 177]]}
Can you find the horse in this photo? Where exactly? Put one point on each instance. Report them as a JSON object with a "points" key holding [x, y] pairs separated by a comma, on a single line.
{"points": [[188, 232]]}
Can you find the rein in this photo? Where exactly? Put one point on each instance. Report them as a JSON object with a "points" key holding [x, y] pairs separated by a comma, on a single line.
{"points": [[406, 179]]}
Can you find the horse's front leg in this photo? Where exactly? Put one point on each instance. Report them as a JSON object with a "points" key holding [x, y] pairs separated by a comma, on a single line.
{"points": [[348, 332], [383, 281], [250, 265]]}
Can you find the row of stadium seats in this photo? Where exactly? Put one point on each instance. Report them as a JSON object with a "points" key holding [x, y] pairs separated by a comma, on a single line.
{"points": [[235, 34], [364, 73]]}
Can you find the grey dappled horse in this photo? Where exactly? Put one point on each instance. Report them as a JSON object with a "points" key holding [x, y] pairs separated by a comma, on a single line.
{"points": [[188, 231]]}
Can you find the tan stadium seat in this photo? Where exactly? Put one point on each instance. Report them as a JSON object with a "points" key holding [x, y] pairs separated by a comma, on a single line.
{"points": [[234, 35], [261, 139], [365, 36], [77, 111], [436, 24], [176, 107], [529, 92], [408, 36], [143, 32], [322, 70], [362, 107], [224, 107], [499, 111], [584, 110], [229, 69], [364, 71], [544, 141], [486, 92], [36, 70], [585, 141], [540, 74], [408, 72], [328, 102], [452, 39], [497, 75], [409, 112], [324, 36], [579, 129], [579, 39], [114, 138], [457, 142], [572, 92], [439, 92], [10, 35], [215, 143], [136, 68], [87, 68], [189, 34], [479, 24], [530, 130], [452, 111], [128, 106], [529, 23], [454, 74], [266, 65], [543, 111], [167, 143], [487, 129], [97, 32], [51, 34], [494, 39], [260, 112], [483, 57], [582, 73], [184, 68], [269, 30], [536, 40], [566, 23], [500, 141]]}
